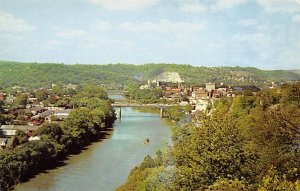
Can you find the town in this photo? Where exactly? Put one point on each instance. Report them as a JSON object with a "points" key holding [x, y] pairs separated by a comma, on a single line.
{"points": [[24, 112], [48, 124]]}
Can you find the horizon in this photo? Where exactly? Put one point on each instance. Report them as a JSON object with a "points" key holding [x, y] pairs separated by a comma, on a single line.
{"points": [[103, 64], [221, 33]]}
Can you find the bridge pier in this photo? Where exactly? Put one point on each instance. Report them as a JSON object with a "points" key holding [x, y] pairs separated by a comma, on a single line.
{"points": [[120, 113], [161, 112]]}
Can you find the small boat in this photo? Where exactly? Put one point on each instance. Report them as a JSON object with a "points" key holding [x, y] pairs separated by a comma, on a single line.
{"points": [[147, 140]]}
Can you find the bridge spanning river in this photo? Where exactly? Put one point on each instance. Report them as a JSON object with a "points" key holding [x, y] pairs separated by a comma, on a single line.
{"points": [[156, 105], [121, 104]]}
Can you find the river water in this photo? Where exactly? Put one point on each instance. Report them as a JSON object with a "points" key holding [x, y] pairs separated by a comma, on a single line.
{"points": [[105, 165]]}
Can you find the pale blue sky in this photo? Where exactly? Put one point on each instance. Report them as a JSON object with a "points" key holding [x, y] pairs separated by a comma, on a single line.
{"points": [[260, 33]]}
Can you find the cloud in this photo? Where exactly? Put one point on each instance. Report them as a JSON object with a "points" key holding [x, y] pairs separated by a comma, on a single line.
{"points": [[10, 24], [192, 6], [54, 43], [102, 26], [296, 18], [248, 22], [226, 4], [124, 5], [72, 33], [163, 26], [254, 38], [285, 6]]}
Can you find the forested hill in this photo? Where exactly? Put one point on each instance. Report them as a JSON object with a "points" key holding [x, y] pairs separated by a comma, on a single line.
{"points": [[43, 74]]}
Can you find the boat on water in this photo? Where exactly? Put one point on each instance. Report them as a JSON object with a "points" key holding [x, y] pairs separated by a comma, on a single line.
{"points": [[147, 140]]}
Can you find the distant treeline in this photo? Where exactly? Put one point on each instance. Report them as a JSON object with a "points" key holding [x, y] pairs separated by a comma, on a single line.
{"points": [[35, 75], [247, 143], [88, 122]]}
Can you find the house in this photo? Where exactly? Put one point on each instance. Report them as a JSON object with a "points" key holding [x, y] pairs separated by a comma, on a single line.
{"points": [[200, 94], [62, 115], [210, 86], [43, 115], [217, 94], [55, 108], [35, 138], [11, 130], [170, 91], [35, 110], [32, 99]]}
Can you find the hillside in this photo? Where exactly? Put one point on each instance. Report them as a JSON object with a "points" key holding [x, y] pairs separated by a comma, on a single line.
{"points": [[34, 75]]}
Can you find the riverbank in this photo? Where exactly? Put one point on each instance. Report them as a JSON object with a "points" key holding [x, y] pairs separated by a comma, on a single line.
{"points": [[57, 141], [105, 165]]}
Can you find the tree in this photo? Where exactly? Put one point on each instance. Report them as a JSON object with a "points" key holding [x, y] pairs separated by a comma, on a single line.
{"points": [[52, 130], [41, 95], [1, 133], [1, 107], [21, 100], [188, 108], [273, 181], [229, 185]]}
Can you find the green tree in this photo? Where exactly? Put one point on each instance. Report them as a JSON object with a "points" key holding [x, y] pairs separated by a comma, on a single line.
{"points": [[21, 100], [41, 95], [52, 130]]}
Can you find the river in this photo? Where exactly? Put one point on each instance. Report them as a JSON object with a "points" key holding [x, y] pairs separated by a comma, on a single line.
{"points": [[105, 165]]}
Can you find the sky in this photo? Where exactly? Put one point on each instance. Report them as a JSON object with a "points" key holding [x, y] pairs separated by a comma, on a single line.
{"points": [[256, 33]]}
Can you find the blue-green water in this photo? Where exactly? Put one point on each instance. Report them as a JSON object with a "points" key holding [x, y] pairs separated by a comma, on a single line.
{"points": [[105, 165]]}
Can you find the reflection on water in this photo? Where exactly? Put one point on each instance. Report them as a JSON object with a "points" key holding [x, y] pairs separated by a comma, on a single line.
{"points": [[105, 165]]}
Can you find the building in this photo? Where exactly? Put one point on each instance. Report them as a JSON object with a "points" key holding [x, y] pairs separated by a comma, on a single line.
{"points": [[200, 94], [171, 91], [202, 105], [210, 86], [35, 110], [62, 115], [11, 130], [55, 108], [43, 115]]}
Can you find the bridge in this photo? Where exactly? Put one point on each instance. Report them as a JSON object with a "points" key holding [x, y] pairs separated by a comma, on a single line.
{"points": [[156, 105], [117, 92]]}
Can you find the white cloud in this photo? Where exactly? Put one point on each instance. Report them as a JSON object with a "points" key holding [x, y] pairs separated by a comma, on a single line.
{"points": [[226, 4], [124, 5], [192, 6], [285, 6], [248, 22], [163, 26], [10, 24], [98, 42], [255, 38], [254, 42], [296, 18], [103, 26], [72, 33], [54, 43]]}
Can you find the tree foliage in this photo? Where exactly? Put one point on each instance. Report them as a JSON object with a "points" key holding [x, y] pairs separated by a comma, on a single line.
{"points": [[83, 125], [248, 143], [35, 75]]}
